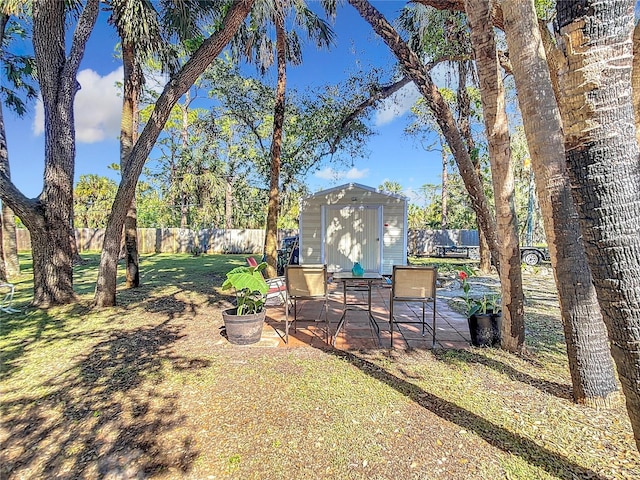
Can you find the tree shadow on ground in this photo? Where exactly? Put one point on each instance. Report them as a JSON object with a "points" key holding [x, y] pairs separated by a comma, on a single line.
{"points": [[512, 443], [105, 416], [559, 390], [27, 329]]}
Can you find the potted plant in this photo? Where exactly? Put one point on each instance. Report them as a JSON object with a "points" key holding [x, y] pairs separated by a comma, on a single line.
{"points": [[484, 316], [243, 323]]}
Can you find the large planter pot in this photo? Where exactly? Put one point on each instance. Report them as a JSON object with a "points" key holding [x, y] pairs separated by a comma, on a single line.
{"points": [[243, 329], [485, 329]]}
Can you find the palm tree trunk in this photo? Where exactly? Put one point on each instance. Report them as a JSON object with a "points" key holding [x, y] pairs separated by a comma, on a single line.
{"points": [[228, 202], [9, 241], [271, 237], [3, 270], [603, 158], [4, 175], [444, 191], [133, 81], [590, 363], [497, 129], [438, 106], [8, 245], [184, 165], [635, 79]]}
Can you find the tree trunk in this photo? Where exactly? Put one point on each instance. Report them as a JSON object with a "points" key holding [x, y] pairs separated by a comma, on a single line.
{"points": [[590, 363], [106, 284], [9, 242], [484, 252], [8, 237], [444, 192], [271, 237], [184, 198], [603, 158], [4, 173], [5, 260], [132, 259], [133, 81], [635, 79], [3, 270], [497, 129], [9, 263], [441, 112], [76, 259], [53, 283], [228, 203]]}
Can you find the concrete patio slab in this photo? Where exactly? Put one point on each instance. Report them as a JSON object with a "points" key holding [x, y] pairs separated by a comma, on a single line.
{"points": [[452, 331]]}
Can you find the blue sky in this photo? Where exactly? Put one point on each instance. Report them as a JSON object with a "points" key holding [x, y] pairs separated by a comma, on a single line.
{"points": [[391, 155]]}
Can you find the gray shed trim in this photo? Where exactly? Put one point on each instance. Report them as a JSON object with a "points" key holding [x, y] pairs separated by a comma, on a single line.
{"points": [[351, 186]]}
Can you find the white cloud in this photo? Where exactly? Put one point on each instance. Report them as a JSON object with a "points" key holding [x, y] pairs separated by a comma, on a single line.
{"points": [[396, 105], [336, 175], [155, 80], [400, 102], [97, 107], [38, 121], [413, 196]]}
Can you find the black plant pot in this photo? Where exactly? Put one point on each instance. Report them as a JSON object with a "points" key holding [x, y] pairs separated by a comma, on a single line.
{"points": [[485, 329], [243, 329]]}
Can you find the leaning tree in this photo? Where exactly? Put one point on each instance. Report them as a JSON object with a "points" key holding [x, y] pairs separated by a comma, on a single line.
{"points": [[417, 71], [178, 84]]}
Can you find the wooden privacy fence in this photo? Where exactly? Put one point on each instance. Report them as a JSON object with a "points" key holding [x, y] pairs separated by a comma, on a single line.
{"points": [[173, 240], [251, 241]]}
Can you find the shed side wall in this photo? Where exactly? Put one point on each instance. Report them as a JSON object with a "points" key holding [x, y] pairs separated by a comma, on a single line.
{"points": [[393, 228]]}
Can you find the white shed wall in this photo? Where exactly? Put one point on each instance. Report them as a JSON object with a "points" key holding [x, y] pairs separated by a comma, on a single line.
{"points": [[392, 229]]}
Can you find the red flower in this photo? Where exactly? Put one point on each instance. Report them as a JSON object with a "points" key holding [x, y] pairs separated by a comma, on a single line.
{"points": [[463, 275]]}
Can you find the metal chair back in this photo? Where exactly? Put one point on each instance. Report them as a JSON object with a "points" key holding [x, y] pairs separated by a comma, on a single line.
{"points": [[413, 284], [305, 282]]}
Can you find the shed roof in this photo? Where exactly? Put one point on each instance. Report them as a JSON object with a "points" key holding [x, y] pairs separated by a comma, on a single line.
{"points": [[351, 186]]}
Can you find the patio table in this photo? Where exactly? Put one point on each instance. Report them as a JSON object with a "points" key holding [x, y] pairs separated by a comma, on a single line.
{"points": [[361, 283]]}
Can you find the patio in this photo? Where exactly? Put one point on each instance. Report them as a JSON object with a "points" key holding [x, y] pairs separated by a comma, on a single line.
{"points": [[451, 328]]}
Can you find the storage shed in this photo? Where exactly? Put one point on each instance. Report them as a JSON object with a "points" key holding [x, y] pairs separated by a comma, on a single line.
{"points": [[354, 223]]}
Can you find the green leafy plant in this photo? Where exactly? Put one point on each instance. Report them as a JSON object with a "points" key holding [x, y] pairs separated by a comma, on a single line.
{"points": [[493, 304], [250, 286], [486, 304]]}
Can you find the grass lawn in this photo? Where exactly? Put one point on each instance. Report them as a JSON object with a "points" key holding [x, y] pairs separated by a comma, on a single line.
{"points": [[144, 390]]}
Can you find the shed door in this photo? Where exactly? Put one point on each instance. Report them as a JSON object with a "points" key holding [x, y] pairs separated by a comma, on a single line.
{"points": [[352, 234]]}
